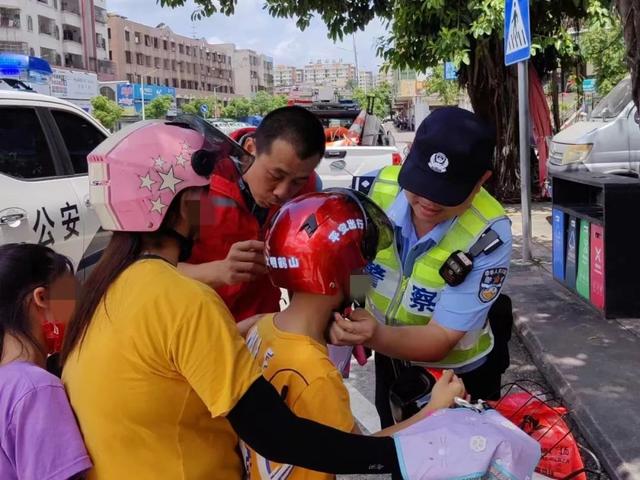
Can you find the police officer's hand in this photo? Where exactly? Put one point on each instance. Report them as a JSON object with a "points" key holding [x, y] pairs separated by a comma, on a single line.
{"points": [[358, 329], [244, 263], [445, 390]]}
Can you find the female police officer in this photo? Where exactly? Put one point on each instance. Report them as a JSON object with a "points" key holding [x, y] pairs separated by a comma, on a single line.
{"points": [[434, 286]]}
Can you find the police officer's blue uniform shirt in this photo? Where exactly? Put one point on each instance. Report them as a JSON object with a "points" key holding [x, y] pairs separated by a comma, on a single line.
{"points": [[459, 308]]}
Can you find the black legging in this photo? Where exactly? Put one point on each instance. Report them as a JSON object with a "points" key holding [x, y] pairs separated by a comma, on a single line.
{"points": [[263, 421]]}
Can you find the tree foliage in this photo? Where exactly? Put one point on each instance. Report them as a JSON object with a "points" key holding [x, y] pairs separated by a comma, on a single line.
{"points": [[603, 47], [382, 99], [447, 90], [193, 107], [630, 12], [423, 34], [158, 107], [237, 108], [106, 111]]}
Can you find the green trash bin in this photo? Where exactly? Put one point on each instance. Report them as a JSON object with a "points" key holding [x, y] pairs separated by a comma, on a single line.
{"points": [[582, 280]]}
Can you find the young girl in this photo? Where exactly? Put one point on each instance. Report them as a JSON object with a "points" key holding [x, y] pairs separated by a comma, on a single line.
{"points": [[317, 248], [39, 437]]}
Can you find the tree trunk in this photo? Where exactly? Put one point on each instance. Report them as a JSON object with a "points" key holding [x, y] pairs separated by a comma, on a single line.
{"points": [[630, 13], [493, 91]]}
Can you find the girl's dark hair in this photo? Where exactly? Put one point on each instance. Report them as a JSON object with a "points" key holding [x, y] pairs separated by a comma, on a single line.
{"points": [[123, 250], [23, 268]]}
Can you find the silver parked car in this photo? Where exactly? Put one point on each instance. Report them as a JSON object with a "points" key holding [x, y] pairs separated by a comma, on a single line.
{"points": [[608, 142]]}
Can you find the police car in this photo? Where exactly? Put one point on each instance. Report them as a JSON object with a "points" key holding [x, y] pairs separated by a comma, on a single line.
{"points": [[44, 192]]}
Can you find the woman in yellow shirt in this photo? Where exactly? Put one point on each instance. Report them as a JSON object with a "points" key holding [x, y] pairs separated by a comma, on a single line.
{"points": [[160, 380]]}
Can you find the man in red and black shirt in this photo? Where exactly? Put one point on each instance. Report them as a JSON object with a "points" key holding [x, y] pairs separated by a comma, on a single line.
{"points": [[229, 254]]}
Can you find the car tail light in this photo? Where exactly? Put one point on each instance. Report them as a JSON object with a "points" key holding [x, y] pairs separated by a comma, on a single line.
{"points": [[396, 159]]}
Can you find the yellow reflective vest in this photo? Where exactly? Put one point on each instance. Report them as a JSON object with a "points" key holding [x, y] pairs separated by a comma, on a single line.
{"points": [[409, 298]]}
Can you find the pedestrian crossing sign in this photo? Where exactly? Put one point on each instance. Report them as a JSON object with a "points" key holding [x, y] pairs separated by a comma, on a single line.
{"points": [[517, 31]]}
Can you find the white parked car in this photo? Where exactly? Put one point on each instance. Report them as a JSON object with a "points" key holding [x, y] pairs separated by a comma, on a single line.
{"points": [[44, 192]]}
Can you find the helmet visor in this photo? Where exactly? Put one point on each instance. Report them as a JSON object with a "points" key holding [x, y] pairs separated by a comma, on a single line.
{"points": [[217, 143]]}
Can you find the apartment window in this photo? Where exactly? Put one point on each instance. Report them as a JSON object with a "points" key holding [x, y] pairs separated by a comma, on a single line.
{"points": [[139, 59], [181, 48], [231, 90], [173, 65], [166, 82], [174, 82], [147, 59], [165, 45], [188, 67], [183, 84], [127, 37], [110, 55], [129, 78], [109, 33], [136, 37], [139, 78], [147, 41], [30, 23], [149, 80], [173, 46], [157, 62], [127, 56], [155, 42], [166, 64], [188, 50]]}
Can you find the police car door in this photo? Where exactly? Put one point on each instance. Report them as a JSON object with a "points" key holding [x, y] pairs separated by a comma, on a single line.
{"points": [[37, 202], [79, 135]]}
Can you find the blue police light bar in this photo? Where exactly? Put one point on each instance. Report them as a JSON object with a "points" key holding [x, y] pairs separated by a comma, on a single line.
{"points": [[12, 64]]}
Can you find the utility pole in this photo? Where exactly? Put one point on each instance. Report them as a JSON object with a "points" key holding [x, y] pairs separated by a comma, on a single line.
{"points": [[355, 56]]}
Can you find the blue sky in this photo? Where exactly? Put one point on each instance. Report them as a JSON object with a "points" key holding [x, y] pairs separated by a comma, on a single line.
{"points": [[252, 27]]}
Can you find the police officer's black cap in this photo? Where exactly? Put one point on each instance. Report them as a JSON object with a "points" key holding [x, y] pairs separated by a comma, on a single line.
{"points": [[452, 149]]}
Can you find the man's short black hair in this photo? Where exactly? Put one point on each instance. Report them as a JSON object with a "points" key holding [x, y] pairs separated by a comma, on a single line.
{"points": [[297, 126]]}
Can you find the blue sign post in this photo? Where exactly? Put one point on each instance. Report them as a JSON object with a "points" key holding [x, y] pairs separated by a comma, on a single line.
{"points": [[517, 31], [517, 49], [204, 110], [589, 85], [450, 72]]}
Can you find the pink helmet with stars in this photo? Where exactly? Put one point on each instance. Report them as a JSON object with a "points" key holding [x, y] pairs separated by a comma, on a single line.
{"points": [[135, 174]]}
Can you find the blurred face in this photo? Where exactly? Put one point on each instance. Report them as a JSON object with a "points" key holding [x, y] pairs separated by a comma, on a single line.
{"points": [[426, 211], [278, 175], [63, 294]]}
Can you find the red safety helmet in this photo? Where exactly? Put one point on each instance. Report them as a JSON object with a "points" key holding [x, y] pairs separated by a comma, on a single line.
{"points": [[316, 241], [242, 134]]}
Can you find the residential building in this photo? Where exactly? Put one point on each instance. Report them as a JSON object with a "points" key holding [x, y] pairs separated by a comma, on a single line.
{"points": [[385, 77], [286, 76], [329, 73], [365, 80], [66, 33], [253, 72], [159, 56]]}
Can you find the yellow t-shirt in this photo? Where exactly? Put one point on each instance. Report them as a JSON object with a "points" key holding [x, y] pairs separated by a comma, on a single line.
{"points": [[300, 369], [160, 365]]}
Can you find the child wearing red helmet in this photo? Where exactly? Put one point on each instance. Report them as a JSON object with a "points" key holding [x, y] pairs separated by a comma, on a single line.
{"points": [[315, 248]]}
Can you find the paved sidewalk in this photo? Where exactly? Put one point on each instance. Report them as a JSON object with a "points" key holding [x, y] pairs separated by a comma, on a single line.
{"points": [[591, 362]]}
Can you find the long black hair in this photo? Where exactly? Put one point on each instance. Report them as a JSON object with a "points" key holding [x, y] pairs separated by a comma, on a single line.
{"points": [[23, 268], [124, 249]]}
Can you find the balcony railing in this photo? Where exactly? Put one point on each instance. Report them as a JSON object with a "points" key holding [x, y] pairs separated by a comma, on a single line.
{"points": [[71, 7], [100, 14]]}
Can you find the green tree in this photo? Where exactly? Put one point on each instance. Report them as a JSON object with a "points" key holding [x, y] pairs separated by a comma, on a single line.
{"points": [[158, 107], [106, 111], [238, 107], [422, 34], [447, 90], [630, 14], [603, 47], [382, 99], [262, 103], [193, 107]]}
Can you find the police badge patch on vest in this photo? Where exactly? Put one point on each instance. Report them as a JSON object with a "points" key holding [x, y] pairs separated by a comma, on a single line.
{"points": [[491, 283]]}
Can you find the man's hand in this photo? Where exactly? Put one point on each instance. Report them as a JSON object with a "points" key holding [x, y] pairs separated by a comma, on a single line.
{"points": [[358, 329], [445, 390], [245, 262]]}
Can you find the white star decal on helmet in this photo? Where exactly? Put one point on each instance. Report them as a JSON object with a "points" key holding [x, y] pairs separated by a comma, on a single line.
{"points": [[169, 180], [181, 159], [158, 162], [157, 206], [146, 182]]}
